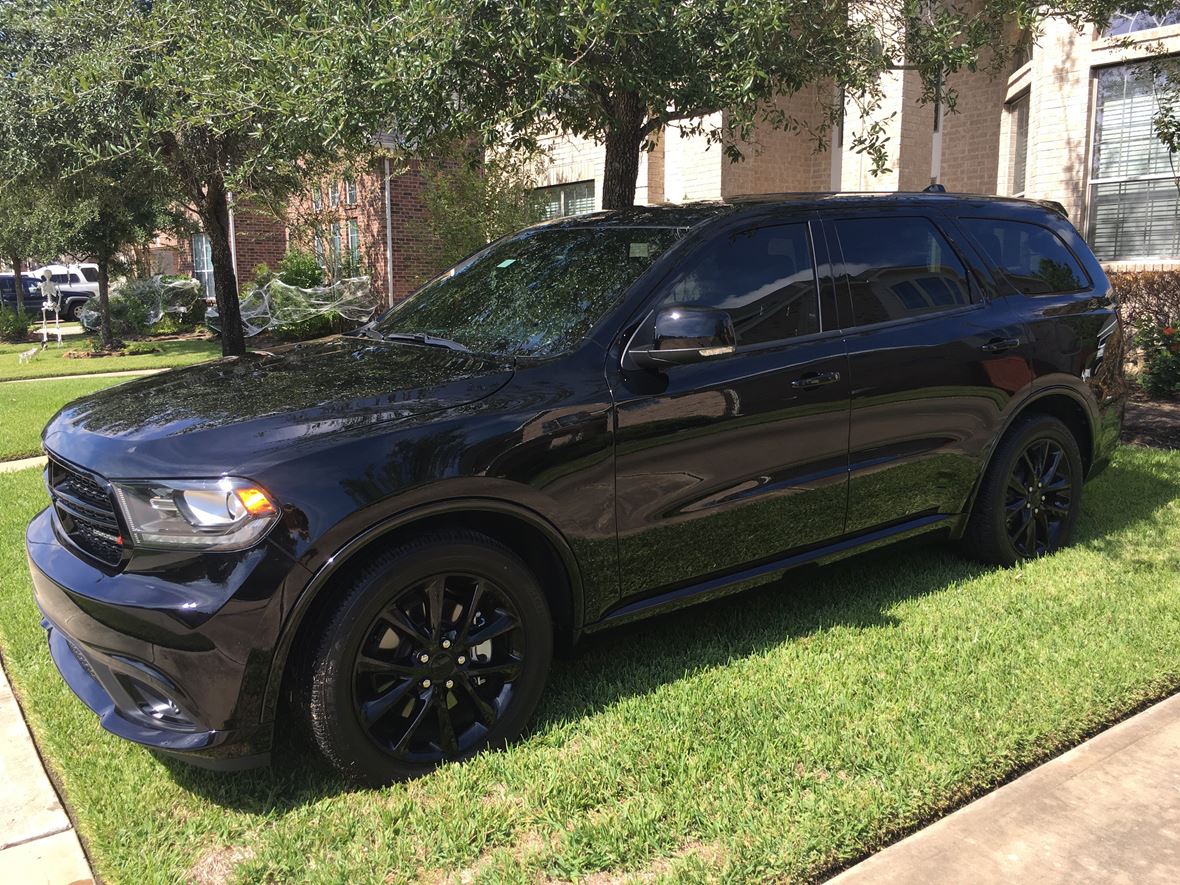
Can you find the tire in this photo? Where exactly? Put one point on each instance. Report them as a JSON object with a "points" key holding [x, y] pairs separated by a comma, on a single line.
{"points": [[1008, 500], [401, 656]]}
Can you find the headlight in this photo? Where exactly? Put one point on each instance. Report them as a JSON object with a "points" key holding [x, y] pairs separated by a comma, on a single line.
{"points": [[195, 514]]}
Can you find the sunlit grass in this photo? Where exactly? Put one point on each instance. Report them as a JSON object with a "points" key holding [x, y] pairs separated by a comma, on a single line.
{"points": [[51, 361], [26, 408], [771, 734]]}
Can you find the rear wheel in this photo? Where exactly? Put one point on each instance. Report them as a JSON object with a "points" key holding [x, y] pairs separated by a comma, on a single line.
{"points": [[1029, 499], [440, 649]]}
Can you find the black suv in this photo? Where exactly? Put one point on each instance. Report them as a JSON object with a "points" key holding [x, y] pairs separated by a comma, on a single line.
{"points": [[593, 420]]}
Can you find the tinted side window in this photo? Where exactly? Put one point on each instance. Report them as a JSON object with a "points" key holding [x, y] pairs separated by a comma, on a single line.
{"points": [[763, 277], [60, 278], [898, 268], [1033, 257], [91, 274]]}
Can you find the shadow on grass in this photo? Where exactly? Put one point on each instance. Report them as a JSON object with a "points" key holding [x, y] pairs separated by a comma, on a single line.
{"points": [[637, 659]]}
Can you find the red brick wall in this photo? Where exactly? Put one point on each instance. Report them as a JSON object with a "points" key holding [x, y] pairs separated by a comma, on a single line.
{"points": [[258, 239], [415, 258]]}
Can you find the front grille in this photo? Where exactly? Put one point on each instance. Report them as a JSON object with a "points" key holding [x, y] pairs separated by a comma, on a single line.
{"points": [[86, 511]]}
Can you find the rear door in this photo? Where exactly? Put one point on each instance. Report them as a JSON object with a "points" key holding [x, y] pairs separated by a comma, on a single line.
{"points": [[933, 358], [737, 459]]}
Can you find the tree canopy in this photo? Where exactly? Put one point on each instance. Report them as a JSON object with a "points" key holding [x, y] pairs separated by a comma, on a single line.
{"points": [[227, 100], [620, 72]]}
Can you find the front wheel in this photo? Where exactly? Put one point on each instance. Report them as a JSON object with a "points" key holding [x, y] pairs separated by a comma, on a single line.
{"points": [[1029, 499], [441, 648]]}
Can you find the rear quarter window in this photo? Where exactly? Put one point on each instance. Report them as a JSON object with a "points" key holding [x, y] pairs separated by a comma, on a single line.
{"points": [[1033, 257]]}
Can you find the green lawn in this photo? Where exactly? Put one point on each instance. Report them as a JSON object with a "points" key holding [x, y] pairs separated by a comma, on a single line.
{"points": [[26, 408], [772, 734], [51, 362]]}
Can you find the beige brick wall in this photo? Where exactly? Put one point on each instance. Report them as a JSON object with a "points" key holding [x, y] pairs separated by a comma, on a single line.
{"points": [[692, 167], [971, 135], [778, 161]]}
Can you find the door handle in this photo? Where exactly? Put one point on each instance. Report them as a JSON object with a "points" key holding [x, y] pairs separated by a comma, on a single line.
{"points": [[815, 379], [999, 345]]}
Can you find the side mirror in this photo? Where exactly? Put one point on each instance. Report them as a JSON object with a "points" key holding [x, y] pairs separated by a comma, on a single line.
{"points": [[683, 334]]}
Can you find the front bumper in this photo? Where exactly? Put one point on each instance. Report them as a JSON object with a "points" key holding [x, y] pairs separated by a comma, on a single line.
{"points": [[175, 656]]}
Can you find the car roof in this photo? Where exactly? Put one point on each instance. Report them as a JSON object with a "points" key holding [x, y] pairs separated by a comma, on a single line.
{"points": [[692, 214]]}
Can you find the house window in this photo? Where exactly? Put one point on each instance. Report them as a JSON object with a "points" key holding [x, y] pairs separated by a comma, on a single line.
{"points": [[350, 191], [318, 247], [567, 199], [334, 194], [1018, 138], [336, 244], [354, 243], [1134, 201], [317, 198], [203, 264], [1130, 21]]}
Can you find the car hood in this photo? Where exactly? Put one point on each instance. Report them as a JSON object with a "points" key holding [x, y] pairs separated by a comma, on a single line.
{"points": [[235, 412]]}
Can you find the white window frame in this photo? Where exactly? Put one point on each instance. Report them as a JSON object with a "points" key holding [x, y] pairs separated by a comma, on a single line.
{"points": [[203, 264], [562, 191], [354, 242], [350, 191], [1095, 181]]}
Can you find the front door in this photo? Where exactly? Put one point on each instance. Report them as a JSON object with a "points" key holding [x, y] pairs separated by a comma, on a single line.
{"points": [[738, 459]]}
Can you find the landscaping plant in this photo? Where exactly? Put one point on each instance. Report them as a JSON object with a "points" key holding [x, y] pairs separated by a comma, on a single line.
{"points": [[1161, 359], [15, 324]]}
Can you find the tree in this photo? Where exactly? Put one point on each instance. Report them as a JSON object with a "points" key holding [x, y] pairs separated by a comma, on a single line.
{"points": [[31, 225], [85, 203], [476, 200], [229, 99], [619, 72], [116, 210]]}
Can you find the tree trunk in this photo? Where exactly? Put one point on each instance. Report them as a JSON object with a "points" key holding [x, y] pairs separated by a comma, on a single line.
{"points": [[18, 268], [104, 302], [623, 141], [215, 218]]}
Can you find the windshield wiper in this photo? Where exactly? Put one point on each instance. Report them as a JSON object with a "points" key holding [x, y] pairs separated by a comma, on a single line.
{"points": [[366, 332], [423, 338]]}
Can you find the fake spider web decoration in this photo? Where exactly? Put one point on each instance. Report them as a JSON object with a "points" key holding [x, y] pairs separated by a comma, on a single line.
{"points": [[157, 296], [277, 304]]}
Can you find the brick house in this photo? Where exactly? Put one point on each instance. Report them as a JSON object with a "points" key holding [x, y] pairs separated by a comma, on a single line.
{"points": [[1070, 122], [372, 218]]}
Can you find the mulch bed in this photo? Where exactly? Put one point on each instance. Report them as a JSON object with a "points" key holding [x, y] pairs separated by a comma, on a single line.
{"points": [[1151, 422]]}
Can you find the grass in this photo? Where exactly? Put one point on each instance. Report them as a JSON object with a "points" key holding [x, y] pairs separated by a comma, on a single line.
{"points": [[51, 361], [768, 735], [27, 408]]}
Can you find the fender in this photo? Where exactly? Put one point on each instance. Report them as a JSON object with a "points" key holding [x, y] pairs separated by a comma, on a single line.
{"points": [[1017, 406], [321, 577]]}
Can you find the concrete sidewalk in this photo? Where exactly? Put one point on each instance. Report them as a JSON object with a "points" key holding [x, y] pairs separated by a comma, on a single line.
{"points": [[1106, 811], [37, 842]]}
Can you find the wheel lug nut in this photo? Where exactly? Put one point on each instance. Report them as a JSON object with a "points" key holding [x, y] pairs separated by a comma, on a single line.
{"points": [[450, 683], [446, 643], [462, 659], [426, 683], [424, 658]]}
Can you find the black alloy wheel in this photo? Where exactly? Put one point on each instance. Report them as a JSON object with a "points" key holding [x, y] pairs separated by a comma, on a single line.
{"points": [[1038, 503], [438, 666], [1028, 500]]}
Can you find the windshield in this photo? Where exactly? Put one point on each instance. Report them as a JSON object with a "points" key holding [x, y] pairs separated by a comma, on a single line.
{"points": [[533, 294]]}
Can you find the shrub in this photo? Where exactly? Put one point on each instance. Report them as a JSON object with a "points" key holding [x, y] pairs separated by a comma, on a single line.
{"points": [[1147, 298], [15, 325], [150, 307], [300, 268], [263, 274], [1161, 359]]}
